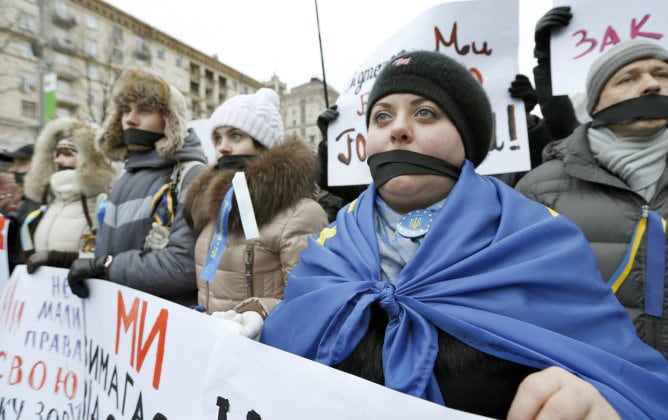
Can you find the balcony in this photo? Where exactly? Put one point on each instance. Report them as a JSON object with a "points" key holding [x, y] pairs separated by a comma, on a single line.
{"points": [[67, 99], [63, 19], [143, 52], [66, 72], [64, 45]]}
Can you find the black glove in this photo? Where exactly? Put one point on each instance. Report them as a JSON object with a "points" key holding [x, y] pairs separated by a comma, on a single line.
{"points": [[325, 118], [50, 258], [37, 260], [521, 88], [82, 269], [557, 17]]}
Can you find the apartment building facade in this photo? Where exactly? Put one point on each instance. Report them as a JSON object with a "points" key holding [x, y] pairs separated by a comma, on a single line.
{"points": [[86, 44], [302, 105]]}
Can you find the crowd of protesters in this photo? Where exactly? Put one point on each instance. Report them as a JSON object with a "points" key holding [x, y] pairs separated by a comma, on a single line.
{"points": [[518, 295]]}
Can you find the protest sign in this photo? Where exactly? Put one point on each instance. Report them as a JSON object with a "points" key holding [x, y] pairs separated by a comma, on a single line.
{"points": [[486, 43], [122, 353], [591, 32]]}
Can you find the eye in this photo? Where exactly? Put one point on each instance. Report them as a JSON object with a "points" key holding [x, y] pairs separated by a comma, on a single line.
{"points": [[381, 116], [425, 112], [662, 75]]}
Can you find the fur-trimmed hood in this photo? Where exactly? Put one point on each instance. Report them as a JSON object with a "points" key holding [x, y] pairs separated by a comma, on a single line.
{"points": [[94, 173], [149, 90], [277, 179]]}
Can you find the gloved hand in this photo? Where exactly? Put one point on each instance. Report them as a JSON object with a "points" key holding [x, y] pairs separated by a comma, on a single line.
{"points": [[157, 238], [51, 258], [555, 18], [82, 269], [327, 116], [249, 324], [521, 88], [37, 260]]}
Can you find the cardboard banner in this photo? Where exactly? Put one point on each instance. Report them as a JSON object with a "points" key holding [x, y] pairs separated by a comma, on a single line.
{"points": [[124, 354], [486, 43], [594, 28]]}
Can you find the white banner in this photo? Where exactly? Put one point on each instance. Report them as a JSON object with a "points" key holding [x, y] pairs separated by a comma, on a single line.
{"points": [[483, 36], [596, 27], [124, 354]]}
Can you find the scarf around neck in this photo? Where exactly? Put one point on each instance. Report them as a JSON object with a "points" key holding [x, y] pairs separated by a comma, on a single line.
{"points": [[498, 277], [638, 161]]}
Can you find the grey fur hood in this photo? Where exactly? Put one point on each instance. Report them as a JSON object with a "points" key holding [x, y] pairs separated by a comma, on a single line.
{"points": [[149, 90], [94, 173]]}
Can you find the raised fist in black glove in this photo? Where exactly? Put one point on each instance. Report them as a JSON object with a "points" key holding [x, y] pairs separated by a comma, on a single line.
{"points": [[325, 118], [85, 268], [521, 88], [557, 17]]}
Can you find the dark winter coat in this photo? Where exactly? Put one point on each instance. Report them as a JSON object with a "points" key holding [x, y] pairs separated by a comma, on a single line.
{"points": [[607, 211]]}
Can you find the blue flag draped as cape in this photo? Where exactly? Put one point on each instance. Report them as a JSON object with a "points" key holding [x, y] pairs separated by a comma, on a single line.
{"points": [[497, 271]]}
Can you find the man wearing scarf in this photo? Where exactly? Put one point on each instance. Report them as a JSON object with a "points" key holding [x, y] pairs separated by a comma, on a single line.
{"points": [[610, 178], [449, 286], [144, 242]]}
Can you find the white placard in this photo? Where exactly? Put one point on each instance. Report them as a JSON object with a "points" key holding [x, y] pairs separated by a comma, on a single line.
{"points": [[483, 36], [595, 27]]}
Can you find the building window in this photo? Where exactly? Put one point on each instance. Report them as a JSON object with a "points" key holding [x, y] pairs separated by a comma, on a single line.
{"points": [[61, 8], [64, 87], [90, 21], [26, 49], [93, 98], [90, 47], [27, 22], [160, 51], [141, 63], [93, 72], [28, 82], [29, 109], [117, 34], [178, 60], [116, 57], [62, 59]]}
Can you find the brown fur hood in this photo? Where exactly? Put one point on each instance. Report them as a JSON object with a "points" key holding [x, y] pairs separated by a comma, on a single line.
{"points": [[152, 91], [94, 173], [277, 179]]}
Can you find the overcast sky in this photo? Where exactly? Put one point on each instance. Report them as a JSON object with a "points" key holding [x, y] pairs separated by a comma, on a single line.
{"points": [[265, 37]]}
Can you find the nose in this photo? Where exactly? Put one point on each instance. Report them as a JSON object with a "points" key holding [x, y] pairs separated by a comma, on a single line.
{"points": [[223, 147], [651, 85], [401, 130], [130, 118]]}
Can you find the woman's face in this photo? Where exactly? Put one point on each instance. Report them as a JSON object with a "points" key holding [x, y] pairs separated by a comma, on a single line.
{"points": [[404, 121], [65, 158], [232, 141]]}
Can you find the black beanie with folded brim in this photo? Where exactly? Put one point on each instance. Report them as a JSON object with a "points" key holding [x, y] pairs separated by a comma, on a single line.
{"points": [[447, 83]]}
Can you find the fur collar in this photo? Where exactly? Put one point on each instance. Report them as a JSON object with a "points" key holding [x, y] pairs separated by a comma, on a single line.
{"points": [[277, 179]]}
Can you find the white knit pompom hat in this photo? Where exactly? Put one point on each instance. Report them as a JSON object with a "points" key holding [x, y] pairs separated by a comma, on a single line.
{"points": [[255, 114]]}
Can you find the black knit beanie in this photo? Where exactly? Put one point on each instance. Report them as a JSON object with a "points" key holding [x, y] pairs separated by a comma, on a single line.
{"points": [[447, 83]]}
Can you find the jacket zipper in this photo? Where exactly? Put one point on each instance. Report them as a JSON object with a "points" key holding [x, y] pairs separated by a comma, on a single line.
{"points": [[249, 257]]}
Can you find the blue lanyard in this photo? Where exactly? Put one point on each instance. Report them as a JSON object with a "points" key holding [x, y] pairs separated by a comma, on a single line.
{"points": [[219, 239], [656, 265]]}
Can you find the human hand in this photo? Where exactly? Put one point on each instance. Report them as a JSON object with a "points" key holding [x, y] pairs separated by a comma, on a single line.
{"points": [[555, 393], [521, 88], [555, 18], [249, 324], [37, 260], [327, 116], [82, 269], [157, 238]]}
